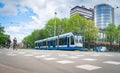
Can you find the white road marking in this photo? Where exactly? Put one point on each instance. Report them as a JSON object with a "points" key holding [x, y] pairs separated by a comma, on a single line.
{"points": [[73, 57], [21, 52], [37, 56], [88, 67], [64, 62], [50, 58], [11, 54], [79, 55], [28, 55], [46, 55], [35, 53], [112, 62], [42, 56], [109, 55], [89, 59], [63, 55], [95, 55]]}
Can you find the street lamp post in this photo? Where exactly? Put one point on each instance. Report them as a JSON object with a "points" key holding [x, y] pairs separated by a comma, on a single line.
{"points": [[55, 24]]}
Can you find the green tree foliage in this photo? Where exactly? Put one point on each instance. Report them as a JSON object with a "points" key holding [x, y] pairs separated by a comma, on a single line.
{"points": [[36, 35], [118, 35], [90, 32], [56, 25], [3, 37], [76, 23], [29, 40], [39, 34], [84, 26], [111, 34], [1, 30], [65, 26]]}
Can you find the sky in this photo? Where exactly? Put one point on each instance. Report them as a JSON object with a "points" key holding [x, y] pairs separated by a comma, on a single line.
{"points": [[21, 17]]}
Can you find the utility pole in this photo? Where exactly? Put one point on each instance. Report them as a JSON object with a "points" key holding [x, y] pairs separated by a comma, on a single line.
{"points": [[55, 24]]}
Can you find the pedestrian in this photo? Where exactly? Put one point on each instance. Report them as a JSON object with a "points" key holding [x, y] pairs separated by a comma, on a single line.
{"points": [[8, 42], [14, 43]]}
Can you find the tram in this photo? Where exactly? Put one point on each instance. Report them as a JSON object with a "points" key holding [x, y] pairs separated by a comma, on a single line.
{"points": [[68, 41]]}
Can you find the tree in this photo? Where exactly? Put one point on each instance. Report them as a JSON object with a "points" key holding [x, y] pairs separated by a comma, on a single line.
{"points": [[118, 35], [3, 37], [64, 23], [1, 30], [81, 25], [111, 34], [29, 40], [76, 23], [90, 31], [50, 27], [35, 35]]}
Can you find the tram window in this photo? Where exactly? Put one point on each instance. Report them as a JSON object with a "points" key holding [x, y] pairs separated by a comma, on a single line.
{"points": [[72, 40], [41, 43], [63, 41], [60, 41], [51, 43], [44, 43], [35, 44], [80, 40]]}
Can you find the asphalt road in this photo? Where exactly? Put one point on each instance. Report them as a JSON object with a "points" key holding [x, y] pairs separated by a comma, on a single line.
{"points": [[45, 61]]}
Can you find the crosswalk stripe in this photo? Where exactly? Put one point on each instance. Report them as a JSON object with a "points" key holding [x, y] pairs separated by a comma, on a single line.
{"points": [[28, 55], [73, 57], [112, 62], [88, 67], [64, 62], [89, 59], [11, 54], [50, 58]]}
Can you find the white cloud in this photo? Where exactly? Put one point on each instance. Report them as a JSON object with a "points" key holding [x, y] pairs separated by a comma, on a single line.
{"points": [[9, 10], [45, 10]]}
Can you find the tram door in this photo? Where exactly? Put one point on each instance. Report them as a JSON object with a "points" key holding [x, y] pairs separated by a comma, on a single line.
{"points": [[68, 41], [54, 43], [48, 44]]}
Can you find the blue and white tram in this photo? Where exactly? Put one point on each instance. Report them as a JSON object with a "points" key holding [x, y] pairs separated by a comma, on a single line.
{"points": [[68, 41]]}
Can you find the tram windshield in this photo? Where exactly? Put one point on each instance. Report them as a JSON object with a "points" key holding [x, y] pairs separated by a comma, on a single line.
{"points": [[78, 39]]}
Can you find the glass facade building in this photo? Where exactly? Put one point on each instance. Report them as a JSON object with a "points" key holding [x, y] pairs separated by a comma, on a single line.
{"points": [[103, 15]]}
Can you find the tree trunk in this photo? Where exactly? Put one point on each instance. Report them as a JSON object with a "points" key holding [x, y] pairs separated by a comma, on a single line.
{"points": [[119, 44], [110, 49]]}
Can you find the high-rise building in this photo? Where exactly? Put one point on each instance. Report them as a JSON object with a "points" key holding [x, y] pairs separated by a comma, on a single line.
{"points": [[103, 15], [82, 11]]}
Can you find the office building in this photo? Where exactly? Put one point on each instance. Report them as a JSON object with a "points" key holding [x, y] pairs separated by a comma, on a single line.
{"points": [[82, 11], [103, 15]]}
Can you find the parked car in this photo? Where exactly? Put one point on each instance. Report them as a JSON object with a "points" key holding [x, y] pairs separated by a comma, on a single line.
{"points": [[101, 49]]}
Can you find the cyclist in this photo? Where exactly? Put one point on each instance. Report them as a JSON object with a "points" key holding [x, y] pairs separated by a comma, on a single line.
{"points": [[15, 44], [8, 42]]}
